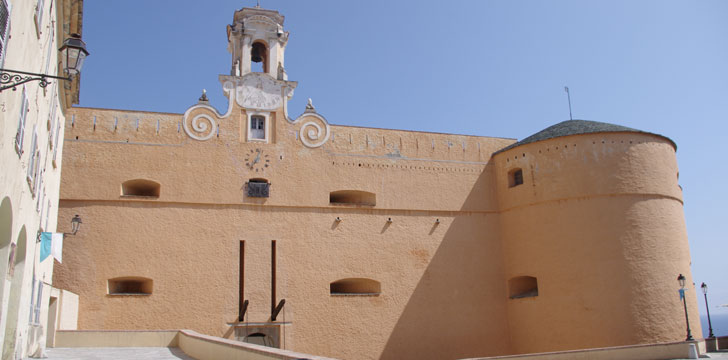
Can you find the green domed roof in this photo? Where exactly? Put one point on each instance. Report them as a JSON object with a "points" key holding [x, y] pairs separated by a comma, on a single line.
{"points": [[577, 127]]}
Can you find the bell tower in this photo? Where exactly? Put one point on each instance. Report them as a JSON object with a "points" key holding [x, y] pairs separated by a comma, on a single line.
{"points": [[256, 36], [259, 94]]}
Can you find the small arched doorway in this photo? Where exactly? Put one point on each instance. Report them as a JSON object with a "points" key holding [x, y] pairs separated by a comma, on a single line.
{"points": [[16, 270], [6, 237], [258, 339]]}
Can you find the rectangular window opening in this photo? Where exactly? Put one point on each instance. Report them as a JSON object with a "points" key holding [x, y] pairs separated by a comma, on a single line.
{"points": [[257, 127], [515, 177], [130, 286]]}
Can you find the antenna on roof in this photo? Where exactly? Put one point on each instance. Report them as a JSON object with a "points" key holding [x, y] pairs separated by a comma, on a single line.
{"points": [[566, 88]]}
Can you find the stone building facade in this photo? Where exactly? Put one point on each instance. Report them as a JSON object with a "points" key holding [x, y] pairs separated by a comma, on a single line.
{"points": [[32, 127], [356, 242]]}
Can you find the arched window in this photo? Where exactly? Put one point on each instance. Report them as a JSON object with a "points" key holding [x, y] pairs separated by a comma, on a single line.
{"points": [[355, 286], [522, 287], [352, 197], [130, 286], [140, 187]]}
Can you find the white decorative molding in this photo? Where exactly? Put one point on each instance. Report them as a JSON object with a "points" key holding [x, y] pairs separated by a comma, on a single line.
{"points": [[202, 126], [266, 126], [262, 20], [314, 132], [206, 127], [229, 88], [259, 91]]}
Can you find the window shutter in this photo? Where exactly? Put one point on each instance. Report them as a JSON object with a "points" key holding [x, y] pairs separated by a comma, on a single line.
{"points": [[4, 28], [37, 175], [49, 54], [38, 301], [41, 207], [52, 119], [41, 194], [55, 149], [21, 123], [32, 161], [48, 215], [39, 14], [32, 302]]}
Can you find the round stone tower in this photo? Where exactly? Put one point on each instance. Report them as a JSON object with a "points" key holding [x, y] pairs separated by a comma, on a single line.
{"points": [[593, 238]]}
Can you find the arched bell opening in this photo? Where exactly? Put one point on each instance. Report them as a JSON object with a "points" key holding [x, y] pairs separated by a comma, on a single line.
{"points": [[259, 57]]}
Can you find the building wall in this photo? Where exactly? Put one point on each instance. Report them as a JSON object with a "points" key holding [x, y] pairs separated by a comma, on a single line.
{"points": [[29, 206], [599, 222], [191, 247]]}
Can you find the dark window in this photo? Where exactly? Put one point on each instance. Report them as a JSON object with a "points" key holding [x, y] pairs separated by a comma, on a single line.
{"points": [[130, 286], [522, 287], [355, 286], [515, 177], [352, 197], [258, 188], [140, 187]]}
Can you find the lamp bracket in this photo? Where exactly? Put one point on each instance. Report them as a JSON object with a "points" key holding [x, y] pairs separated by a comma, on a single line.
{"points": [[9, 79]]}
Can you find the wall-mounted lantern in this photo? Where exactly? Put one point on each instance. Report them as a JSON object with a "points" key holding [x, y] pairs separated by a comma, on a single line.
{"points": [[75, 224], [73, 53]]}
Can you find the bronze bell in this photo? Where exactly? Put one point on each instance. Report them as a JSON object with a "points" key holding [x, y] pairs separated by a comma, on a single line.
{"points": [[257, 52]]}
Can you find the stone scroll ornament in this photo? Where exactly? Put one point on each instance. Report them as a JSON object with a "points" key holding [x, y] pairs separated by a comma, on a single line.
{"points": [[203, 126], [315, 130]]}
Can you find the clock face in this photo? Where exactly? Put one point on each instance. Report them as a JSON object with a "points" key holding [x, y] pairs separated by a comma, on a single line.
{"points": [[256, 160]]}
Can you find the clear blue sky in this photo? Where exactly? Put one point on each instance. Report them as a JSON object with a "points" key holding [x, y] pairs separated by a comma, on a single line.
{"points": [[491, 68]]}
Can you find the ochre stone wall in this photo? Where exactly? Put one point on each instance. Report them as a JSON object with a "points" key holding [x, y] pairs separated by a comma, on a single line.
{"points": [[432, 275], [599, 222]]}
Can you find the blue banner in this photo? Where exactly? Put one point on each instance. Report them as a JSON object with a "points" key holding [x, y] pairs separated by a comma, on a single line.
{"points": [[45, 245]]}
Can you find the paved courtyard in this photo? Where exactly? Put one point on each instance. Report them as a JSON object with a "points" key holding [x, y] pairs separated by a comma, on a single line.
{"points": [[158, 353], [142, 353]]}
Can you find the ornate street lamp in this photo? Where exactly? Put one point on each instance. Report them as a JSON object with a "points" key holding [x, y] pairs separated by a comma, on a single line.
{"points": [[705, 295], [681, 280], [73, 52]]}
